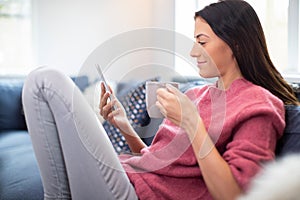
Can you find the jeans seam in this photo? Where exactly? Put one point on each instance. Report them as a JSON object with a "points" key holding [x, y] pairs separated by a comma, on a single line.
{"points": [[49, 149]]}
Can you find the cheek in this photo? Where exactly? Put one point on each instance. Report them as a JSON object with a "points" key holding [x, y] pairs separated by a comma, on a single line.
{"points": [[216, 55], [221, 56]]}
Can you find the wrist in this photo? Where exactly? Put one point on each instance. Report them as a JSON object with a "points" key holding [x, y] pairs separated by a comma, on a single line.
{"points": [[192, 126], [201, 141]]}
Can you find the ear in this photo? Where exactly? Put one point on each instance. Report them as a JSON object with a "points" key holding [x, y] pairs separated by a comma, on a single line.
{"points": [[236, 50]]}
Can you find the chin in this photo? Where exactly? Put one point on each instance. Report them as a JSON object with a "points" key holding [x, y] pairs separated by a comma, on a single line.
{"points": [[207, 75]]}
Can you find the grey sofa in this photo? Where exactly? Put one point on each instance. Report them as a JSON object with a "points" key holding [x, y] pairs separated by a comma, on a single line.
{"points": [[19, 174]]}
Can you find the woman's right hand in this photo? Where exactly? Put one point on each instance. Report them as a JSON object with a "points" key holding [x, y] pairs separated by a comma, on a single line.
{"points": [[113, 111]]}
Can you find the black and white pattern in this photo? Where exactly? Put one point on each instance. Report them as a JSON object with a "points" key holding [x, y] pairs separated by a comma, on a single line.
{"points": [[135, 106]]}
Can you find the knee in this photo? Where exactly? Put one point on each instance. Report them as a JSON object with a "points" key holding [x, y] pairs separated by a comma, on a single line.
{"points": [[41, 76], [43, 73]]}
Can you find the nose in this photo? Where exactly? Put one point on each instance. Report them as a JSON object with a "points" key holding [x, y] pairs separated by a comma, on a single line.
{"points": [[196, 50]]}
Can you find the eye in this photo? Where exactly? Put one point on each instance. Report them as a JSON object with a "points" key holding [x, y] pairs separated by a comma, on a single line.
{"points": [[202, 43]]}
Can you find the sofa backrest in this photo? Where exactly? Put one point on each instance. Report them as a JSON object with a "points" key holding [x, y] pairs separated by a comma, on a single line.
{"points": [[290, 141], [11, 115], [11, 111]]}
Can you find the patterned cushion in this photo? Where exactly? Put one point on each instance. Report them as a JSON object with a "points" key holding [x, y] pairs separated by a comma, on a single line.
{"points": [[117, 139], [135, 106]]}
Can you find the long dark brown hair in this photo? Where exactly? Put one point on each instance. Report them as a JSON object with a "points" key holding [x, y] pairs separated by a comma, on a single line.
{"points": [[237, 24]]}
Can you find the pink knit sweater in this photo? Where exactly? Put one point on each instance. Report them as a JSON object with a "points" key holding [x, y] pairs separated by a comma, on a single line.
{"points": [[244, 122]]}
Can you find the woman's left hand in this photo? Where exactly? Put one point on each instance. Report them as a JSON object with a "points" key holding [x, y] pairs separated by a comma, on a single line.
{"points": [[178, 108]]}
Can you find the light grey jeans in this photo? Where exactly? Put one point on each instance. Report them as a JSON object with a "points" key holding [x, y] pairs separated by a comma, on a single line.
{"points": [[74, 154]]}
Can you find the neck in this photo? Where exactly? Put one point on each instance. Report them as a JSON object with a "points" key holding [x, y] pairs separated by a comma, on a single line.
{"points": [[225, 82]]}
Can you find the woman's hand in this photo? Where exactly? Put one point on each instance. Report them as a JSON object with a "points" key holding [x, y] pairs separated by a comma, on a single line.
{"points": [[178, 108], [113, 111]]}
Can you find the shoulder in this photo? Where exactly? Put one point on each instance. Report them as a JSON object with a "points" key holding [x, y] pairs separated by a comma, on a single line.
{"points": [[252, 96], [252, 101]]}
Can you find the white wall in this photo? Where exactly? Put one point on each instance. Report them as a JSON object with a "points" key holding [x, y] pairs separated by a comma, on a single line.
{"points": [[67, 31]]}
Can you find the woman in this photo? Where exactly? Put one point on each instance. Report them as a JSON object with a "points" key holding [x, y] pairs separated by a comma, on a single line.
{"points": [[210, 149]]}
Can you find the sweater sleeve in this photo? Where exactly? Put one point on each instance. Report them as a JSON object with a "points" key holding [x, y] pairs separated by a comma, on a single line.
{"points": [[254, 141]]}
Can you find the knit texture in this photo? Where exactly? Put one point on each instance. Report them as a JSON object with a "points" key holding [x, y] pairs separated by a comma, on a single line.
{"points": [[245, 121]]}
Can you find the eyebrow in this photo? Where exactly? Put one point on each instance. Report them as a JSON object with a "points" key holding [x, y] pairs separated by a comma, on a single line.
{"points": [[201, 34]]}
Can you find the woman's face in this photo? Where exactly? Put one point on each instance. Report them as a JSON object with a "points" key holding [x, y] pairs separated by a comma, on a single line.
{"points": [[214, 56]]}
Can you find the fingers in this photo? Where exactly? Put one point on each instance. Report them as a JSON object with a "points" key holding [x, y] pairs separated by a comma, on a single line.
{"points": [[105, 108], [171, 115], [165, 101], [105, 105], [103, 99], [111, 117], [172, 89], [161, 108], [111, 91], [113, 114], [108, 110], [168, 101], [105, 95], [162, 93], [165, 96], [168, 92], [103, 89]]}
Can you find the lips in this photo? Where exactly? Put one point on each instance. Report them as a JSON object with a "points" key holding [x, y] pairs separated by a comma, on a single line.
{"points": [[200, 63]]}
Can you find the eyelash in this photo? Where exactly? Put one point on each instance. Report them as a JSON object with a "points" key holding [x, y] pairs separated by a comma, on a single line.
{"points": [[202, 43]]}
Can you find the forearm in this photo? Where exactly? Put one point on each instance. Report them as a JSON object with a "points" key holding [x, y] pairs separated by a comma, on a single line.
{"points": [[134, 142], [215, 170]]}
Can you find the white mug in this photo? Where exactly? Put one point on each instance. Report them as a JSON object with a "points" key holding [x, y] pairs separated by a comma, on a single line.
{"points": [[151, 98]]}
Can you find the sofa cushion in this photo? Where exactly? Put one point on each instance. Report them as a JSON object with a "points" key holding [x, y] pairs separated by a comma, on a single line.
{"points": [[19, 174], [290, 141], [11, 115]]}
